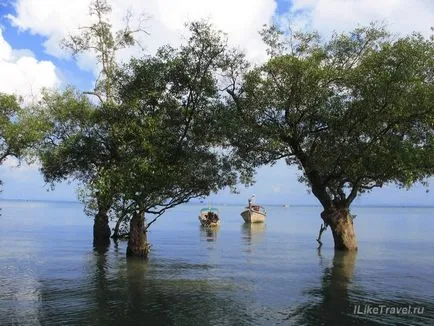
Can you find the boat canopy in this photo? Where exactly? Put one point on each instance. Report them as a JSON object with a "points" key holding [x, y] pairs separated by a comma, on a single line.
{"points": [[209, 209]]}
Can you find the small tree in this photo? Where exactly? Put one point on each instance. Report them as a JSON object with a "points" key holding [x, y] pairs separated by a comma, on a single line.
{"points": [[353, 113], [77, 144], [74, 146], [166, 132]]}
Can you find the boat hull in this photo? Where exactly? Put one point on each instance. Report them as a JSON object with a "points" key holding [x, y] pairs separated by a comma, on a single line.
{"points": [[252, 216], [204, 222]]}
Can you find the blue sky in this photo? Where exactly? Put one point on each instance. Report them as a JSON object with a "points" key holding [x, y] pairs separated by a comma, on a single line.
{"points": [[30, 58]]}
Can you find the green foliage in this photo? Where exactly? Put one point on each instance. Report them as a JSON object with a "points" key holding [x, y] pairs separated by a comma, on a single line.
{"points": [[155, 143], [9, 108], [164, 126], [353, 113], [73, 145], [19, 130], [79, 142]]}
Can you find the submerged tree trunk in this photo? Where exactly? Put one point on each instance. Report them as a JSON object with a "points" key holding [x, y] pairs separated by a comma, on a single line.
{"points": [[340, 222], [137, 242], [101, 228], [336, 212]]}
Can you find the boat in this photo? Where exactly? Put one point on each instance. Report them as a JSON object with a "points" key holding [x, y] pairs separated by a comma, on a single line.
{"points": [[209, 217], [254, 214]]}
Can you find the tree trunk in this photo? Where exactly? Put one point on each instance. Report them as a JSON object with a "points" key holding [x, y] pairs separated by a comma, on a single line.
{"points": [[101, 228], [137, 242], [341, 224]]}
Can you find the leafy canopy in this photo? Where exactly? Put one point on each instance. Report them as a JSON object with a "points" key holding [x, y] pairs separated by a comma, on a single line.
{"points": [[353, 113], [77, 145], [164, 126], [19, 130], [155, 143]]}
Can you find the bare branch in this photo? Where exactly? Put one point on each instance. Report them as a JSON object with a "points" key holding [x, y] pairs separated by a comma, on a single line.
{"points": [[321, 230], [94, 94], [155, 219]]}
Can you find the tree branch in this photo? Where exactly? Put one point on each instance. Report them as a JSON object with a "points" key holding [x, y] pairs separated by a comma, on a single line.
{"points": [[321, 230], [353, 193], [156, 218], [94, 94]]}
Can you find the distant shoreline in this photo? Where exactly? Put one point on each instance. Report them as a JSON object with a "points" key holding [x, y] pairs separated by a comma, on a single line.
{"points": [[226, 204]]}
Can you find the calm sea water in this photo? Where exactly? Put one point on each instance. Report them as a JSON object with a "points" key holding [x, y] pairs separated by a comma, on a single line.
{"points": [[269, 274]]}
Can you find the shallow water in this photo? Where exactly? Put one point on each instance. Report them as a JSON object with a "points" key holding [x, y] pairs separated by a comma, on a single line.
{"points": [[268, 274]]}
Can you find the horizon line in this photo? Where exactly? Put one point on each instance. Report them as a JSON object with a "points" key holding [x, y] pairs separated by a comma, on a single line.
{"points": [[232, 203]]}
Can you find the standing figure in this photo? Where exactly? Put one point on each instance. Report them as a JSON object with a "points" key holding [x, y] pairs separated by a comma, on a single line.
{"points": [[252, 202]]}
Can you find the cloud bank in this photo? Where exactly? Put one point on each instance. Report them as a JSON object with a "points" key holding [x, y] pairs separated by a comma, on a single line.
{"points": [[55, 19], [22, 73], [401, 16]]}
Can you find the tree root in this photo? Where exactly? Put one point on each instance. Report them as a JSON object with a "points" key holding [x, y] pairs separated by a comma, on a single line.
{"points": [[321, 230]]}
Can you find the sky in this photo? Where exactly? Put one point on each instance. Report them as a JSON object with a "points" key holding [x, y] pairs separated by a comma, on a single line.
{"points": [[31, 58]]}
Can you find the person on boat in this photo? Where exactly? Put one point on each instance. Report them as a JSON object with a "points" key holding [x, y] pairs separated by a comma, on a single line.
{"points": [[252, 204]]}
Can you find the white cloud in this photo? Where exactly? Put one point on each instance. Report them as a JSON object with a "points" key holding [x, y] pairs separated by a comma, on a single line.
{"points": [[401, 16], [22, 74], [240, 19], [51, 18]]}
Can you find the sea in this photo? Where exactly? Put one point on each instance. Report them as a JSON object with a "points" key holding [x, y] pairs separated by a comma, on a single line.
{"points": [[237, 274]]}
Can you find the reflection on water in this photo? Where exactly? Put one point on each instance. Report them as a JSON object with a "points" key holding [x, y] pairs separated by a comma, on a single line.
{"points": [[98, 281], [238, 274], [19, 294], [135, 294], [209, 233], [331, 300], [253, 232], [101, 248]]}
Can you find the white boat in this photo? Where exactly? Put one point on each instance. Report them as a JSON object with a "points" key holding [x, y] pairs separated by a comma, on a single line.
{"points": [[254, 214], [209, 217]]}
